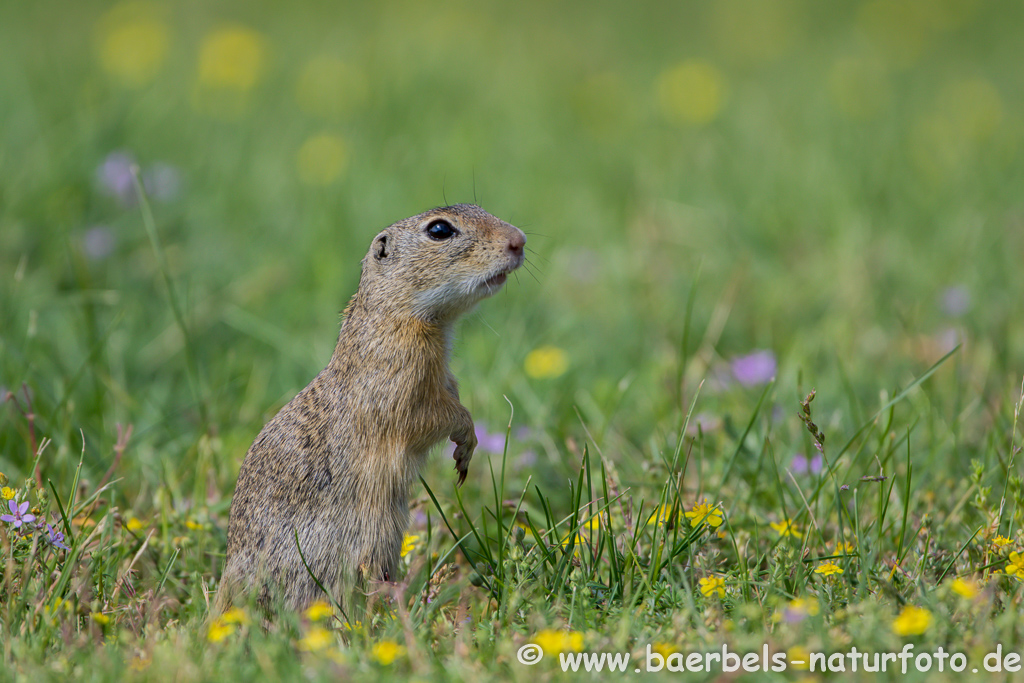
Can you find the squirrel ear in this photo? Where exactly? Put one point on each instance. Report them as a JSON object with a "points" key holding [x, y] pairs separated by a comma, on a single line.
{"points": [[380, 247]]}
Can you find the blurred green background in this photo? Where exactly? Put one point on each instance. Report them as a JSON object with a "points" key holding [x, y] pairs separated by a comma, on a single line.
{"points": [[846, 177]]}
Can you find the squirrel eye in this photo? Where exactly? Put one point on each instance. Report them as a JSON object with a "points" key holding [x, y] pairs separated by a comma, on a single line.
{"points": [[441, 230]]}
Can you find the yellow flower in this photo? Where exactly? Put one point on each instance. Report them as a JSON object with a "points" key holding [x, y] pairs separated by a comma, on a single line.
{"points": [[702, 512], [845, 547], [691, 93], [231, 58], [661, 514], [140, 662], [357, 626], [1001, 541], [973, 106], [51, 610], [804, 605], [1016, 566], [386, 651], [219, 630], [556, 641], [577, 542], [321, 159], [131, 42], [712, 585], [965, 589], [318, 610], [593, 524], [328, 87], [409, 543], [664, 649], [7, 492], [798, 657], [786, 528], [912, 621], [134, 524], [226, 624], [194, 526], [828, 569], [100, 618], [235, 615], [546, 362], [316, 639]]}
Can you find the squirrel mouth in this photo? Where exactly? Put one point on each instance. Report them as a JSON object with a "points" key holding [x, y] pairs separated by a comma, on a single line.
{"points": [[496, 281]]}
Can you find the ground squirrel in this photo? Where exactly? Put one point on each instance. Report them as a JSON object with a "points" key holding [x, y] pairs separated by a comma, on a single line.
{"points": [[336, 463]]}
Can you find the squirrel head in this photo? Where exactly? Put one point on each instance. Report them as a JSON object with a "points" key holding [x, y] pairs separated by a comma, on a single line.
{"points": [[439, 264]]}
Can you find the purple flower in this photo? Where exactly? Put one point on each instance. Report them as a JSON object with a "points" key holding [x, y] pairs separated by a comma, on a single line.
{"points": [[755, 368], [56, 538], [803, 465], [17, 516], [115, 177], [98, 242], [492, 443], [793, 615], [705, 422], [526, 460], [956, 301]]}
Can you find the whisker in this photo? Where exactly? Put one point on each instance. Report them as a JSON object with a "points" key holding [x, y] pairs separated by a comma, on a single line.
{"points": [[479, 316], [537, 254]]}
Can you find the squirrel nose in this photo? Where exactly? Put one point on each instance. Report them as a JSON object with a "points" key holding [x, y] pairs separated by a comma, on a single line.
{"points": [[516, 242]]}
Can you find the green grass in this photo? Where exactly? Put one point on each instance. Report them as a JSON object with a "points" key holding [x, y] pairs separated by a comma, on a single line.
{"points": [[837, 184]]}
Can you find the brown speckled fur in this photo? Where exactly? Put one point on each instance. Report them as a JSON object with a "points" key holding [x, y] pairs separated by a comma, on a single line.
{"points": [[336, 463]]}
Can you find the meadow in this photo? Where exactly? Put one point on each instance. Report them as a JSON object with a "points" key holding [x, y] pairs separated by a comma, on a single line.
{"points": [[758, 386]]}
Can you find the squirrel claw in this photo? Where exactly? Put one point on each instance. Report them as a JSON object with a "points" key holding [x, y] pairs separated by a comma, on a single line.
{"points": [[462, 455], [462, 467]]}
